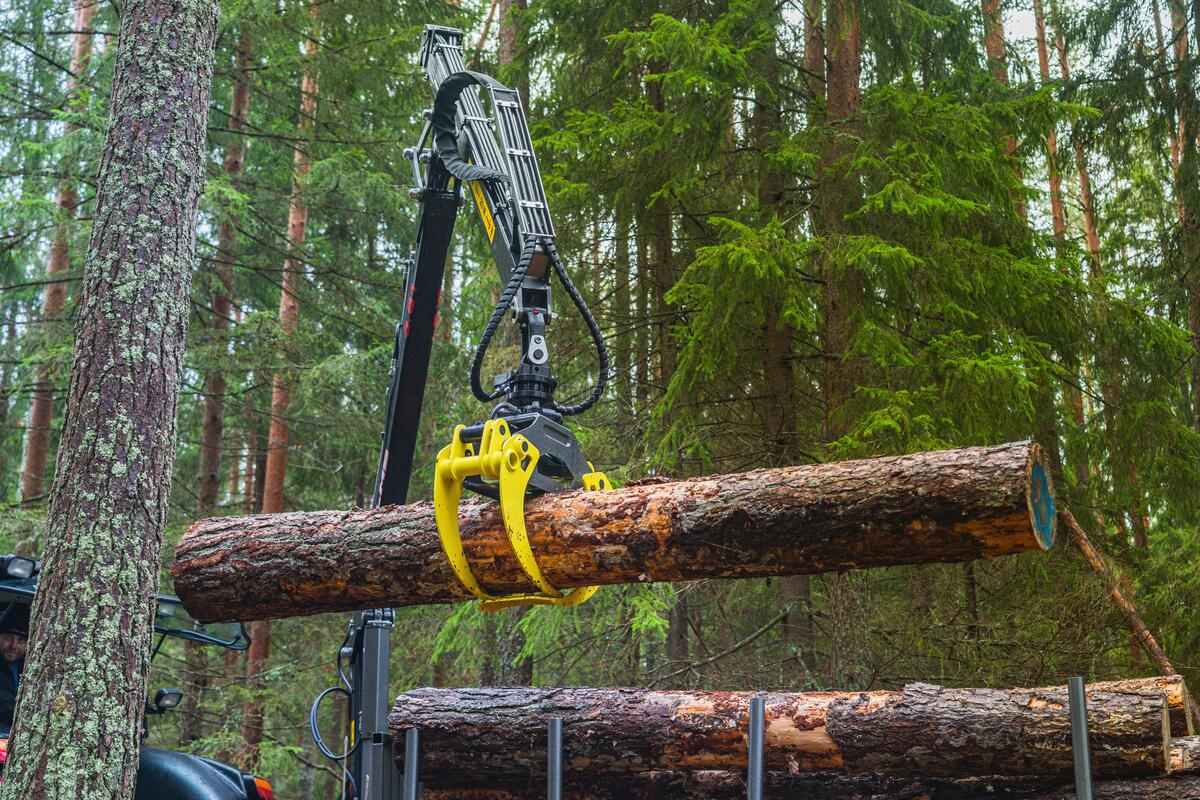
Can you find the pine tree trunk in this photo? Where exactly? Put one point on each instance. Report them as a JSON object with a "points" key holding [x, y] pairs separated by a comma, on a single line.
{"points": [[1091, 236], [512, 47], [78, 719], [835, 199], [212, 432], [472, 735], [54, 297], [946, 506], [275, 468]]}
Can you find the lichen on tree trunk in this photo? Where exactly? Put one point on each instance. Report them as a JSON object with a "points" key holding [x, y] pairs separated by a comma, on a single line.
{"points": [[81, 700]]}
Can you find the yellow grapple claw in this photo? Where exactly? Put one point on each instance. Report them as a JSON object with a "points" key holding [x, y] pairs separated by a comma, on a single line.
{"points": [[509, 459]]}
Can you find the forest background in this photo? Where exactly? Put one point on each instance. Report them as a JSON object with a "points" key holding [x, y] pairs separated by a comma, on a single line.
{"points": [[811, 230]]}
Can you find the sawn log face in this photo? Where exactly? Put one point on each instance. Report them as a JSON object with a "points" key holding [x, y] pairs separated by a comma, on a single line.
{"points": [[945, 506], [920, 731]]}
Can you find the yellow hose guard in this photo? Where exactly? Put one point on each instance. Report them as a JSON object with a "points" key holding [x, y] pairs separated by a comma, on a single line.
{"points": [[509, 459]]}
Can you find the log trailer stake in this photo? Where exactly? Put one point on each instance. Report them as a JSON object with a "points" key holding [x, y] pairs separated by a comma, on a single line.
{"points": [[756, 745], [1080, 749]]}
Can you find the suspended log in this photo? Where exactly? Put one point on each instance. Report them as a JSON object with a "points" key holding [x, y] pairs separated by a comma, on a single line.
{"points": [[717, 785], [945, 506], [471, 736]]}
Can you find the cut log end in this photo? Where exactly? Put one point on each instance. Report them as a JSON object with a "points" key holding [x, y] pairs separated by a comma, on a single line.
{"points": [[1040, 498]]}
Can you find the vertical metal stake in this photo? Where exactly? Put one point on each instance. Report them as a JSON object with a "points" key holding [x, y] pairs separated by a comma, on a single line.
{"points": [[758, 724], [554, 759], [412, 749], [1079, 739]]}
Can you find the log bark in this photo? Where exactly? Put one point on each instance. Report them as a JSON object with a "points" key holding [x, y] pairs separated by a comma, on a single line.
{"points": [[722, 785], [920, 731], [1185, 755], [946, 506]]}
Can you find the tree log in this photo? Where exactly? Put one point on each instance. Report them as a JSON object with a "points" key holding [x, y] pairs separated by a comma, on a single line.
{"points": [[1185, 755], [921, 731], [945, 506], [724, 785], [1179, 699]]}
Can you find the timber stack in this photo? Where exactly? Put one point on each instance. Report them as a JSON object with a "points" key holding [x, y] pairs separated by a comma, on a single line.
{"points": [[923, 741]]}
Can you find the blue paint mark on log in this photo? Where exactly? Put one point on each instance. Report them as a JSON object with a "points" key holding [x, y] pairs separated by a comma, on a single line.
{"points": [[1042, 500]]}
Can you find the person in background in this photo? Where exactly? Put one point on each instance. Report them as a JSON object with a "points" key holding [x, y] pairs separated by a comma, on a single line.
{"points": [[14, 630]]}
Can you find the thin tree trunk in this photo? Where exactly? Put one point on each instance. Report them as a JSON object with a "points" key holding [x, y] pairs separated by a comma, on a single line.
{"points": [[1091, 236], [623, 316], [836, 198], [54, 296], [512, 47], [643, 340], [1133, 619], [258, 656], [994, 46], [213, 430], [82, 694]]}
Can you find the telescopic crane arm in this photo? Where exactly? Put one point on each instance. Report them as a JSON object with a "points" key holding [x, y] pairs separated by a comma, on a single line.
{"points": [[494, 156]]}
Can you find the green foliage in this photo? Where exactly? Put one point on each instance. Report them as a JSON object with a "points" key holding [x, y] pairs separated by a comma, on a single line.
{"points": [[974, 324]]}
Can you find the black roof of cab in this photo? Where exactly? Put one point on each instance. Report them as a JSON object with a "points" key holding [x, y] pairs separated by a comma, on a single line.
{"points": [[170, 619]]}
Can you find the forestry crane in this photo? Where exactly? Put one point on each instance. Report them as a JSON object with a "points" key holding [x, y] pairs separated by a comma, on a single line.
{"points": [[523, 448]]}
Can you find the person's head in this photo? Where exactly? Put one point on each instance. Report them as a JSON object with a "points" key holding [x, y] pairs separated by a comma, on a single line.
{"points": [[12, 646], [14, 628]]}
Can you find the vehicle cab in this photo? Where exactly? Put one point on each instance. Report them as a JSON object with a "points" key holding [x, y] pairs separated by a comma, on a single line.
{"points": [[162, 774]]}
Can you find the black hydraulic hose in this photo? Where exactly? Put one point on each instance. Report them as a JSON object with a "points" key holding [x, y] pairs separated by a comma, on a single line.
{"points": [[506, 298], [593, 328]]}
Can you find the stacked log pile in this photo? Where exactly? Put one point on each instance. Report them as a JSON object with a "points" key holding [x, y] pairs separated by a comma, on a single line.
{"points": [[922, 742], [925, 741]]}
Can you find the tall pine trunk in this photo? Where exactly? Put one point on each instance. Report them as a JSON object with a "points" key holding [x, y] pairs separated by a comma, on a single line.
{"points": [[54, 297], [83, 691], [275, 468], [1058, 219], [213, 429], [1087, 208]]}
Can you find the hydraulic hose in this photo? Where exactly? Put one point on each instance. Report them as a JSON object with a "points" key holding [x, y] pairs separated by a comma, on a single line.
{"points": [[506, 298], [593, 329]]}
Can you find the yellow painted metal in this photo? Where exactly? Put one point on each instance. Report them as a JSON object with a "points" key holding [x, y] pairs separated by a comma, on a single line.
{"points": [[509, 459]]}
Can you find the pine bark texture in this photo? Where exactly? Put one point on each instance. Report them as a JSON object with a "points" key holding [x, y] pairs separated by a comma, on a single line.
{"points": [[923, 730], [723, 785], [944, 506], [1185, 755], [81, 697], [54, 297]]}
